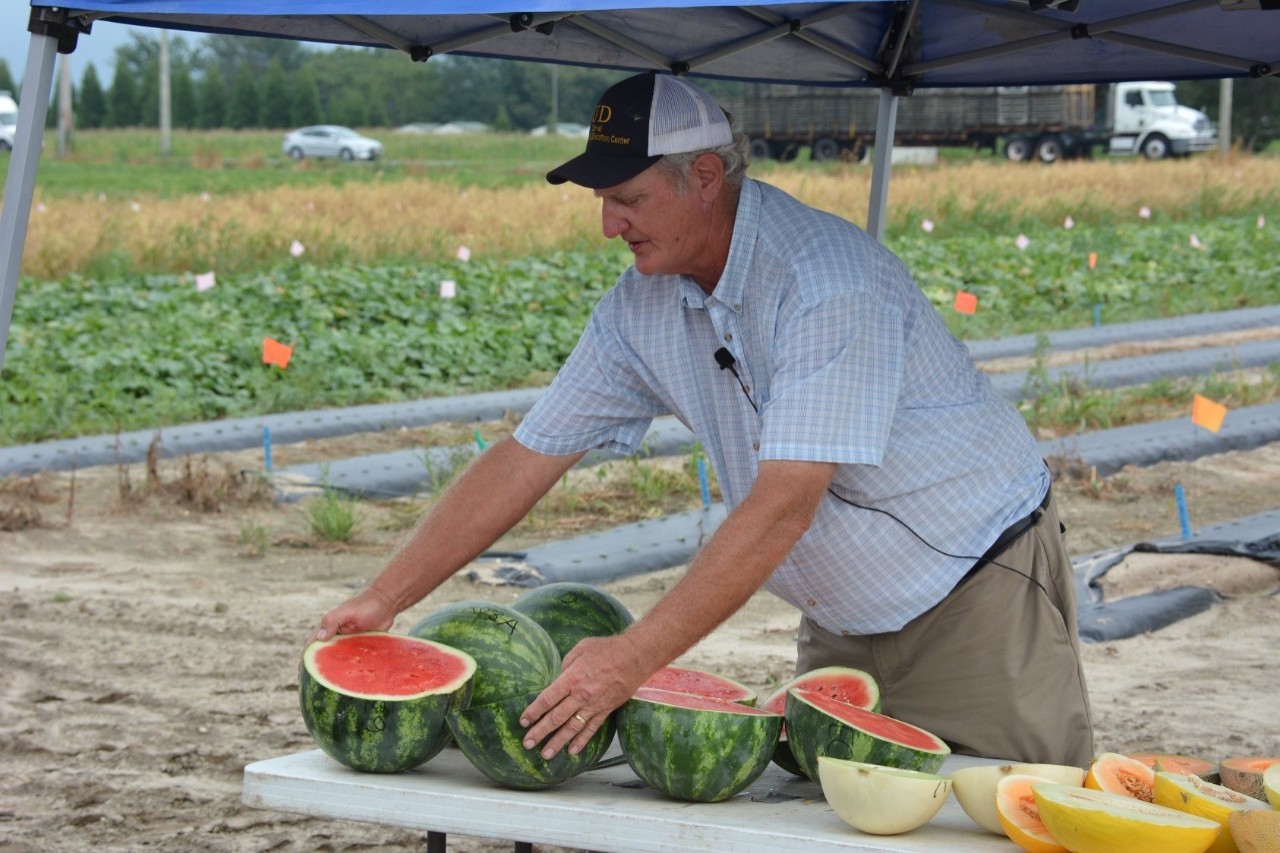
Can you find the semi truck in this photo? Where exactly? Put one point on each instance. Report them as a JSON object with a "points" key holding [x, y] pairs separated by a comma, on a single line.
{"points": [[1045, 123], [8, 120]]}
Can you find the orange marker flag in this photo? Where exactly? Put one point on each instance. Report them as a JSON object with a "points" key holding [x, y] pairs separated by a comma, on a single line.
{"points": [[274, 352], [1093, 260], [1206, 413], [966, 303]]}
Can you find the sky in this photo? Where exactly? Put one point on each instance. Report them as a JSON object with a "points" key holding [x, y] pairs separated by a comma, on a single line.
{"points": [[99, 47]]}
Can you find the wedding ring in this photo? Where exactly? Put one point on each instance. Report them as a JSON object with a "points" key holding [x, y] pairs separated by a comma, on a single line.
{"points": [[580, 719]]}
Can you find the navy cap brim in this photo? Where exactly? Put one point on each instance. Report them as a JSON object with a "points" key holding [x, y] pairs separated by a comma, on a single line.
{"points": [[597, 171]]}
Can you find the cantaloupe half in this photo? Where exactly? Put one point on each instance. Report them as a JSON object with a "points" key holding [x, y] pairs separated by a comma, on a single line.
{"points": [[1271, 785], [1085, 820], [1120, 774], [1255, 831], [1191, 794], [881, 800], [975, 787], [1244, 773], [1019, 815], [1202, 767]]}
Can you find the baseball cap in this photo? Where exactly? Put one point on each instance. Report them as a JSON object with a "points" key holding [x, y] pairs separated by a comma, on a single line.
{"points": [[637, 121]]}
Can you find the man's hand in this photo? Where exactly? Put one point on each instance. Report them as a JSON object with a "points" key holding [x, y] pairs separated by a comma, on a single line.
{"points": [[597, 676], [368, 610]]}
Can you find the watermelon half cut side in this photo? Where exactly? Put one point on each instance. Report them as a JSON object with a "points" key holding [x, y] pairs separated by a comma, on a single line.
{"points": [[377, 702], [697, 682], [844, 683], [820, 725], [491, 738], [570, 612], [697, 748]]}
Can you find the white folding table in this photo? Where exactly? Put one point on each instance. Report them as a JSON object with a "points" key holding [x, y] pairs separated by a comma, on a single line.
{"points": [[606, 809]]}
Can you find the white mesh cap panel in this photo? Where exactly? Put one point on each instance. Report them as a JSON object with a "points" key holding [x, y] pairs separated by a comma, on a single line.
{"points": [[685, 118]]}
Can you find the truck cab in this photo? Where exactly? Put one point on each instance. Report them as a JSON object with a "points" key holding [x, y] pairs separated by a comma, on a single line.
{"points": [[8, 120], [1146, 118]]}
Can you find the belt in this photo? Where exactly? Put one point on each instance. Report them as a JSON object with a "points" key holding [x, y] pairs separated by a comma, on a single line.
{"points": [[1012, 532]]}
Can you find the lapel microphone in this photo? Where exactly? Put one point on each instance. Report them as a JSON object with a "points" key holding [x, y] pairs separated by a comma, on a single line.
{"points": [[725, 359]]}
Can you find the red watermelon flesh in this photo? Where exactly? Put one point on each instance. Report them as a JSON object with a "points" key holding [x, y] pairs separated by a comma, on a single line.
{"points": [[842, 683], [696, 702], [385, 665], [682, 679], [878, 724]]}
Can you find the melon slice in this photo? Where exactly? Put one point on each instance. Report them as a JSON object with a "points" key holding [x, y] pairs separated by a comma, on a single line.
{"points": [[1271, 785], [1084, 820], [697, 682], [819, 725], [1191, 794], [849, 685], [975, 787], [1255, 831], [881, 800], [1173, 763], [1120, 774], [1019, 815], [1244, 773]]}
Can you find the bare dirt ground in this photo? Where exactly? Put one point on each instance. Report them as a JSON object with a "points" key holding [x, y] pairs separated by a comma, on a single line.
{"points": [[149, 647]]}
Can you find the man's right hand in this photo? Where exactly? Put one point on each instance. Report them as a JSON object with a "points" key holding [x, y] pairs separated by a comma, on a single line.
{"points": [[368, 610]]}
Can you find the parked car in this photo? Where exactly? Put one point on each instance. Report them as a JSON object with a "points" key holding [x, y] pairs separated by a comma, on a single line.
{"points": [[329, 140]]}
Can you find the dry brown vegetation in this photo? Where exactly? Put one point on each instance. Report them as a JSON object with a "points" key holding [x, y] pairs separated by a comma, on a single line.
{"points": [[419, 219]]}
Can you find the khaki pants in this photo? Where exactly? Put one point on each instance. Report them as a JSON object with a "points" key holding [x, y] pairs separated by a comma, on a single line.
{"points": [[994, 668]]}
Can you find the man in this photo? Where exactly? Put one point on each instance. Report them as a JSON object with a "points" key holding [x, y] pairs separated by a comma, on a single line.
{"points": [[874, 478]]}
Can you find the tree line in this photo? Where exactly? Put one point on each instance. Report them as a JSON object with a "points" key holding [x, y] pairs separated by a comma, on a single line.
{"points": [[239, 82]]}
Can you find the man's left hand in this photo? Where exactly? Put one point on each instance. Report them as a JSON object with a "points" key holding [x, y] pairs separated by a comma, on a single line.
{"points": [[597, 676]]}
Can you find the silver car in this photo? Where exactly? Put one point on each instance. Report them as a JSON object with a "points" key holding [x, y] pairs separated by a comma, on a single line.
{"points": [[329, 140]]}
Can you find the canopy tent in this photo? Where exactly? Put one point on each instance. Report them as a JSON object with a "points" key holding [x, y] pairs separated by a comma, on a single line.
{"points": [[895, 46]]}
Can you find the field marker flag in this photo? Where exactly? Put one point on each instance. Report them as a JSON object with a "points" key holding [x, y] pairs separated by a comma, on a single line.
{"points": [[1093, 260], [927, 226], [1144, 212], [1068, 223], [1195, 242], [448, 288], [1262, 221], [205, 280], [464, 254], [966, 303], [1207, 413], [274, 352], [1022, 242], [296, 249]]}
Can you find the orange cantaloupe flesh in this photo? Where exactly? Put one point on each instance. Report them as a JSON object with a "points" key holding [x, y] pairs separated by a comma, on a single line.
{"points": [[1244, 773], [1120, 774]]}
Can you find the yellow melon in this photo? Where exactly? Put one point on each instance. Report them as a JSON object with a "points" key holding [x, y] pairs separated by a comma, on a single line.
{"points": [[1271, 785], [1191, 794], [1085, 820], [1019, 815], [975, 787], [1120, 774]]}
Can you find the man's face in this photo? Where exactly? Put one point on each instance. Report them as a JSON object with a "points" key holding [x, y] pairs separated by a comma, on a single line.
{"points": [[667, 231]]}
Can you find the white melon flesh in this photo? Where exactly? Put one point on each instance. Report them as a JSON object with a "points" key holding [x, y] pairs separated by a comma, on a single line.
{"points": [[975, 787], [881, 800]]}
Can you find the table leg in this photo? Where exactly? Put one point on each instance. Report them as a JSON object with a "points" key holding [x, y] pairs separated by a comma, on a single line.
{"points": [[524, 847], [436, 842]]}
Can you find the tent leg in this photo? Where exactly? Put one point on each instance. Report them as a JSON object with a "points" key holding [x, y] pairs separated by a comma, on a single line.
{"points": [[886, 122], [19, 186]]}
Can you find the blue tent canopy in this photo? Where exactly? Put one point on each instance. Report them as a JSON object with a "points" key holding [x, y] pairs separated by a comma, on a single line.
{"points": [[893, 45]]}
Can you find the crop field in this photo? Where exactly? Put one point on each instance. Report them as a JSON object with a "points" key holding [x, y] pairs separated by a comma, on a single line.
{"points": [[116, 327]]}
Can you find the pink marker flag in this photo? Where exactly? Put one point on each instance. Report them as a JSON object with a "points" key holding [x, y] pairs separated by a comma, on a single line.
{"points": [[1144, 212], [1022, 242], [1068, 223], [448, 289], [464, 254], [927, 226], [296, 249], [966, 303], [205, 280], [1195, 242]]}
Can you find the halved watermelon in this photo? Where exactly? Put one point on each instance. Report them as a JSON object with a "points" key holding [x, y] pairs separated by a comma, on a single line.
{"points": [[697, 682], [570, 612], [697, 748], [491, 738], [820, 725], [377, 702], [846, 684]]}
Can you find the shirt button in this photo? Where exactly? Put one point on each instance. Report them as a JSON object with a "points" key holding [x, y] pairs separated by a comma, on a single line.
{"points": [[755, 445], [811, 603], [737, 306], [728, 337], [746, 389]]}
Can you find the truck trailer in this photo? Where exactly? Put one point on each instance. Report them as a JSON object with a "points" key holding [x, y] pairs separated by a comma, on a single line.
{"points": [[8, 120], [1046, 123]]}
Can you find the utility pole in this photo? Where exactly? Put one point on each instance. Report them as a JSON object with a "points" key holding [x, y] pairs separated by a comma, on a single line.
{"points": [[165, 119], [65, 116], [555, 101], [1225, 94]]}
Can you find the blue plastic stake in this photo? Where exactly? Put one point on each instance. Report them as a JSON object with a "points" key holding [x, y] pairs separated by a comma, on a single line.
{"points": [[266, 448], [480, 442], [1097, 314], [702, 481], [1181, 497]]}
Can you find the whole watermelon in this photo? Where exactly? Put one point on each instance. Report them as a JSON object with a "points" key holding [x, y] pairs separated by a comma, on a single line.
{"points": [[377, 702], [491, 736], [571, 612], [693, 747], [514, 655]]}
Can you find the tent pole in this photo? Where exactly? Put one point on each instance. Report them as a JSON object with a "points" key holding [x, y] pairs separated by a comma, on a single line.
{"points": [[886, 120], [19, 186]]}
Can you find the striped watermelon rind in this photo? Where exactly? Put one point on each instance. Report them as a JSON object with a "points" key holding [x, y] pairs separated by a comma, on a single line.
{"points": [[380, 732], [693, 747], [819, 725], [514, 655], [570, 612], [490, 736], [845, 683]]}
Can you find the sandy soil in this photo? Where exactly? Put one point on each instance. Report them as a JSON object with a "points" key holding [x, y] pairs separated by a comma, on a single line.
{"points": [[149, 648]]}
